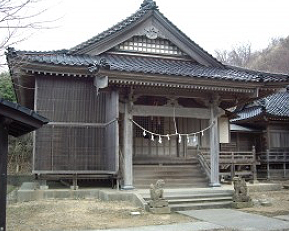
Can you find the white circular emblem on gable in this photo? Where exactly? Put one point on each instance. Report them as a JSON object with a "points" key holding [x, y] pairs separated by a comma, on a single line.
{"points": [[151, 33]]}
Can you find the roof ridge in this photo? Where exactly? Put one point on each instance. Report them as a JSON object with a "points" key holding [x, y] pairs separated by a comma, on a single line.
{"points": [[145, 7], [150, 4]]}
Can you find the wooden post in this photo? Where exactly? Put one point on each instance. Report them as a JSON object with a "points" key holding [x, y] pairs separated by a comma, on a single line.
{"points": [[127, 147], [3, 174], [284, 164], [268, 163], [214, 147], [254, 168], [232, 167]]}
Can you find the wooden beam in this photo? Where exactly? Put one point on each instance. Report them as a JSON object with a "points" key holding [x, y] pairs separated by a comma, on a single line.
{"points": [[3, 174], [165, 111]]}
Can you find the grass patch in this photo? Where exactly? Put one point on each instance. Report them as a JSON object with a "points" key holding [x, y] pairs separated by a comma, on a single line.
{"points": [[10, 188]]}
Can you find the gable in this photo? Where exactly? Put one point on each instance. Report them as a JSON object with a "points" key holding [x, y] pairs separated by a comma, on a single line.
{"points": [[149, 22]]}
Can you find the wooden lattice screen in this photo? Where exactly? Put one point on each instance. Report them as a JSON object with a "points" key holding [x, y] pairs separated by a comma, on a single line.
{"points": [[83, 134]]}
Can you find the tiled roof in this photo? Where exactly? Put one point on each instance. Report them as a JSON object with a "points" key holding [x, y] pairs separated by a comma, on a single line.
{"points": [[248, 113], [145, 7], [16, 112], [151, 65], [276, 105]]}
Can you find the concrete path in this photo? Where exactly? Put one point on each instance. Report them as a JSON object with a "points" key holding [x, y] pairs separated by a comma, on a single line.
{"points": [[283, 217], [191, 226], [238, 220], [219, 219]]}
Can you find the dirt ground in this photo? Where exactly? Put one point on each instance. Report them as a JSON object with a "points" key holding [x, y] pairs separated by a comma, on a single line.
{"points": [[82, 215], [279, 201], [94, 214]]}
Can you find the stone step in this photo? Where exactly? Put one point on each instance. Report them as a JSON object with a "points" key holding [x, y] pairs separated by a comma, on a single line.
{"points": [[198, 200], [170, 180], [206, 205], [191, 174], [165, 167], [147, 160], [174, 185], [188, 194], [181, 199]]}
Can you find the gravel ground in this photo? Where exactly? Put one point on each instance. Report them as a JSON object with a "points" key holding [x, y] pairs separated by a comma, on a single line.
{"points": [[82, 215], [94, 214], [279, 201]]}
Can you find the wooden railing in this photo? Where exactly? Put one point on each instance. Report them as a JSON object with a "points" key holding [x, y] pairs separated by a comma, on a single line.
{"points": [[205, 164], [239, 158], [276, 162], [230, 159], [274, 156]]}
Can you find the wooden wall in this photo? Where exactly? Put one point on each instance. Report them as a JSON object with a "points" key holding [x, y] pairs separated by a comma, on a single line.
{"points": [[278, 135], [76, 141], [143, 146]]}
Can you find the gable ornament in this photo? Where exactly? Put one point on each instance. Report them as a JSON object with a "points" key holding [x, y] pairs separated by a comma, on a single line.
{"points": [[151, 33]]}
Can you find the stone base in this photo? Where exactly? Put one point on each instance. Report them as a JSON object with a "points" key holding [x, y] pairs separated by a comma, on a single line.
{"points": [[74, 187], [242, 205], [159, 206], [128, 187], [43, 187], [164, 210]]}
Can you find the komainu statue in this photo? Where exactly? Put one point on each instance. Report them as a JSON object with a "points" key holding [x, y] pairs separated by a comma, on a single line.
{"points": [[241, 198], [158, 204]]}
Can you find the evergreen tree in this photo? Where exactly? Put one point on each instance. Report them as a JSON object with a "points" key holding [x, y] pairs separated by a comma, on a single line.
{"points": [[6, 89]]}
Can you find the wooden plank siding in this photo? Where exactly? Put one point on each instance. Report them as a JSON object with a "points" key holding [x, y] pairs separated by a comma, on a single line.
{"points": [[144, 146], [83, 134]]}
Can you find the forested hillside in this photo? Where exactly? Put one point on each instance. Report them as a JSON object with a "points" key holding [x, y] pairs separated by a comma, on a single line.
{"points": [[274, 58]]}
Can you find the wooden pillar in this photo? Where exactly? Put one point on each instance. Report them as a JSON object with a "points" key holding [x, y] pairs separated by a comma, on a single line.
{"points": [[214, 147], [254, 166], [3, 174], [268, 163], [284, 164], [127, 147]]}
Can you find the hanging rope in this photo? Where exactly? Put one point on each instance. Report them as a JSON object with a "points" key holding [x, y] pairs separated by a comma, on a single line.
{"points": [[145, 131]]}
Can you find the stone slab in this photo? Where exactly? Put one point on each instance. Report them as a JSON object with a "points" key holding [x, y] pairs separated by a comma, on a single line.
{"points": [[190, 226], [242, 205], [282, 217], [29, 186], [238, 220], [164, 210]]}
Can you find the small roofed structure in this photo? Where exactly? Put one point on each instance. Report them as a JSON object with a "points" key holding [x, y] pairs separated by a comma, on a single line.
{"points": [[15, 120], [268, 120]]}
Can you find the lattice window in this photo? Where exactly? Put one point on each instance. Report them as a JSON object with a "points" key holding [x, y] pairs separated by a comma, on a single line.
{"points": [[154, 46]]}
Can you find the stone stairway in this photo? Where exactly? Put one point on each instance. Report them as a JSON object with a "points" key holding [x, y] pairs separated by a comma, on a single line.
{"points": [[192, 199], [176, 173]]}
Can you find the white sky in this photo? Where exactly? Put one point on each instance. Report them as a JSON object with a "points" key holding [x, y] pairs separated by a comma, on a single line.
{"points": [[213, 24]]}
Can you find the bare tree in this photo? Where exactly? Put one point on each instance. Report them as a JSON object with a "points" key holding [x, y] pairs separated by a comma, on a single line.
{"points": [[18, 20], [238, 56]]}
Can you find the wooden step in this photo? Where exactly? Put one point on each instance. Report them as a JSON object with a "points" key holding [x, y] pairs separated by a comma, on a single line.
{"points": [[174, 175]]}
